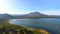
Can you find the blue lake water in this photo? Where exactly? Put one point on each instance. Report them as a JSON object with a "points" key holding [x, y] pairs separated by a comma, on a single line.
{"points": [[50, 24]]}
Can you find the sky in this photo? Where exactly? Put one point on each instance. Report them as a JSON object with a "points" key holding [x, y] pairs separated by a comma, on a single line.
{"points": [[49, 7]]}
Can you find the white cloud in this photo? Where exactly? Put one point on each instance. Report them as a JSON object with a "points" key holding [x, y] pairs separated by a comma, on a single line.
{"points": [[11, 11], [48, 12], [51, 12]]}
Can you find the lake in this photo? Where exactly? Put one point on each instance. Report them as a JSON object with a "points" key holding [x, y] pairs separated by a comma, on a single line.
{"points": [[50, 24]]}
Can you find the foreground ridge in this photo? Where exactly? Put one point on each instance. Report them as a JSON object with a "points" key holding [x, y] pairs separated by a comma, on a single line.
{"points": [[7, 28]]}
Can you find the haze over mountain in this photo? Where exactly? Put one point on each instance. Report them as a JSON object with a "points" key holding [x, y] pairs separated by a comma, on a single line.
{"points": [[33, 15], [30, 15], [5, 16]]}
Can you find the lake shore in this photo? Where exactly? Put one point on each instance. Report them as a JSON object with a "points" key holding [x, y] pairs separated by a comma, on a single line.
{"points": [[7, 28]]}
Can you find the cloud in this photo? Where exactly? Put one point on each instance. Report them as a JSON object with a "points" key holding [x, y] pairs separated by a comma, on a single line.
{"points": [[11, 11], [51, 12]]}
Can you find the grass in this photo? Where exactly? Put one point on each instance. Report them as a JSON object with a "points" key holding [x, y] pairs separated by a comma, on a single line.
{"points": [[4, 23]]}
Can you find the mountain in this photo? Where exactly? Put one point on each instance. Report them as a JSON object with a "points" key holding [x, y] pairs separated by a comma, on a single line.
{"points": [[30, 15], [33, 15], [5, 16], [37, 15]]}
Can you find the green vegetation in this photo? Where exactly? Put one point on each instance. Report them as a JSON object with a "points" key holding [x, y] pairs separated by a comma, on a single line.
{"points": [[7, 28]]}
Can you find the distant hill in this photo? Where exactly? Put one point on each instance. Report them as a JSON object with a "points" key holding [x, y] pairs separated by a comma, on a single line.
{"points": [[30, 15], [33, 15], [37, 15], [5, 16]]}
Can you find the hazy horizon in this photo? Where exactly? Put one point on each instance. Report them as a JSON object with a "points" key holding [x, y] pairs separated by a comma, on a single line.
{"points": [[49, 7]]}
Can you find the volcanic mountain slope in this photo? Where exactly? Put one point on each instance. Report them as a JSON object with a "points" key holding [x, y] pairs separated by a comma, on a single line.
{"points": [[29, 16], [33, 15]]}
